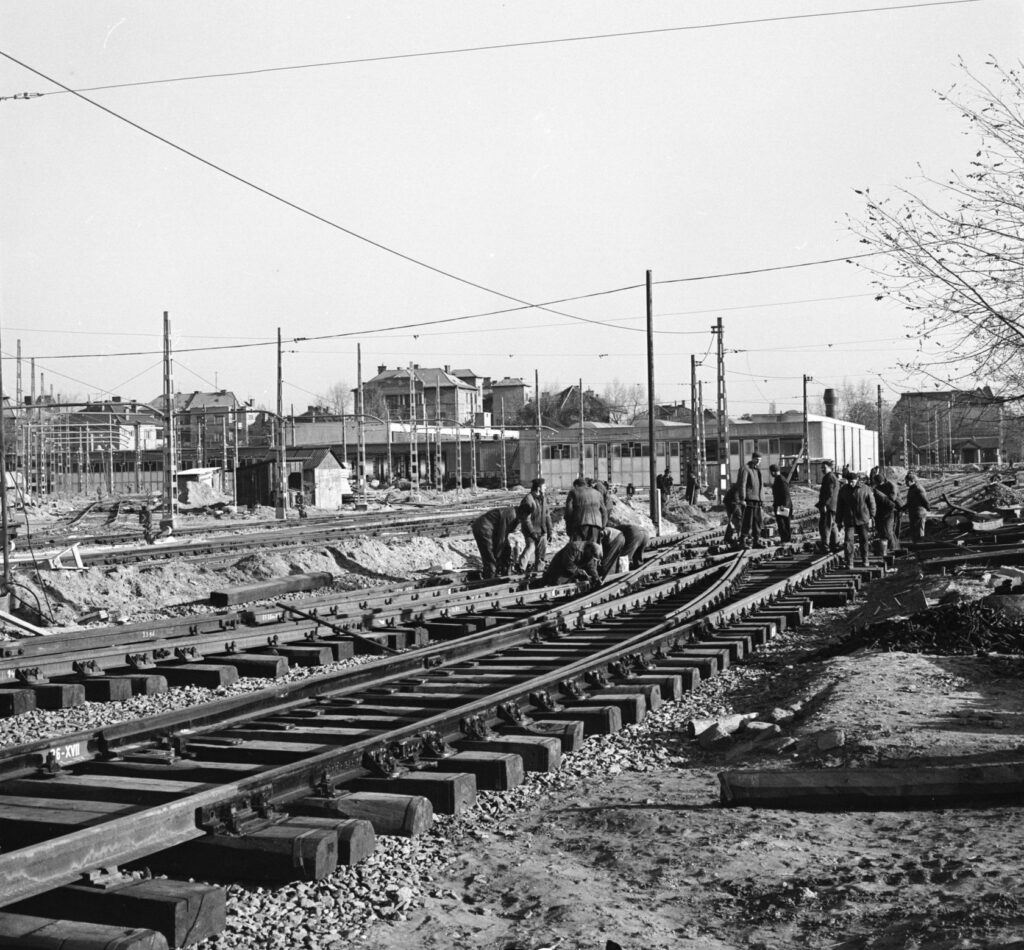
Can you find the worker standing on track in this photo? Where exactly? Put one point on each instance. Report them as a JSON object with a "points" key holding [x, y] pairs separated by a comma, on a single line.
{"points": [[782, 502], [854, 512], [750, 488], [917, 507], [491, 532], [586, 515], [535, 522], [146, 520], [886, 506], [828, 497]]}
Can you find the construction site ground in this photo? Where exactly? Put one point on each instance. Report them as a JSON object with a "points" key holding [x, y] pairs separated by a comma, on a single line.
{"points": [[627, 842]]}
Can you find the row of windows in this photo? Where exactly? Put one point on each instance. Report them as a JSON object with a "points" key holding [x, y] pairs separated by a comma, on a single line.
{"points": [[769, 448]]}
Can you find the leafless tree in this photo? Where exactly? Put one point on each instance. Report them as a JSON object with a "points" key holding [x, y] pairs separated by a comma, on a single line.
{"points": [[338, 398], [954, 251]]}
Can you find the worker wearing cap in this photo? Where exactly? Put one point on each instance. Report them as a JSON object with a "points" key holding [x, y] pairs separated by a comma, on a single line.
{"points": [[916, 507], [535, 522], [782, 500], [855, 510], [491, 532], [749, 489], [828, 498]]}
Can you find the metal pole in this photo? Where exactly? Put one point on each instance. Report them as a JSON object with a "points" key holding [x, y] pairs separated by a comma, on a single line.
{"points": [[582, 441], [3, 493], [387, 423], [701, 439], [438, 480], [881, 437], [170, 465], [281, 509], [540, 454], [360, 428], [414, 458], [807, 434], [472, 456], [652, 468], [504, 469], [724, 457], [949, 431], [138, 459], [693, 413]]}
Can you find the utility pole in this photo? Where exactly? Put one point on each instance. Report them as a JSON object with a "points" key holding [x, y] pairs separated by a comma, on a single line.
{"points": [[387, 424], [281, 509], [458, 456], [438, 457], [693, 414], [949, 430], [582, 443], [652, 468], [536, 394], [472, 456], [504, 464], [881, 436], [4, 526], [170, 469], [807, 434], [361, 426], [414, 457], [701, 439], [724, 458]]}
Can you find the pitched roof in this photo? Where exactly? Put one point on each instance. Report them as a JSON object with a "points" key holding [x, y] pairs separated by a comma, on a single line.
{"points": [[429, 377], [197, 401]]}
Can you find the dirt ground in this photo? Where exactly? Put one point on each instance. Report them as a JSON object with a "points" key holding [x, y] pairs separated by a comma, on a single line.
{"points": [[641, 853]]}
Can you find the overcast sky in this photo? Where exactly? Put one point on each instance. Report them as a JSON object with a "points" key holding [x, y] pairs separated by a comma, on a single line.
{"points": [[540, 172]]}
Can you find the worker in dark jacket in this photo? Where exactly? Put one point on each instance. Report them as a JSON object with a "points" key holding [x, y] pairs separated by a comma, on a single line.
{"points": [[491, 532], [916, 507], [636, 543], [146, 520], [578, 561], [782, 502], [536, 526], [750, 488], [828, 497], [855, 509], [612, 543], [733, 514], [886, 507], [692, 486], [586, 515], [667, 481]]}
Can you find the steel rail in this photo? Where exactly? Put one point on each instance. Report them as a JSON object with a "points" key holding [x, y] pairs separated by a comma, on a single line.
{"points": [[40, 867]]}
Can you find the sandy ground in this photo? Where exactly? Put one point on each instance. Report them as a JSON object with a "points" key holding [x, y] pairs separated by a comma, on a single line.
{"points": [[644, 855]]}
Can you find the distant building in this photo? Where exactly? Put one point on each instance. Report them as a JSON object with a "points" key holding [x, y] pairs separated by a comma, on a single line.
{"points": [[428, 393], [207, 425], [950, 426], [504, 399]]}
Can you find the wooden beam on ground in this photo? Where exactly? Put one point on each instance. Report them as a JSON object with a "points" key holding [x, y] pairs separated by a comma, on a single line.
{"points": [[41, 933], [264, 590], [830, 789]]}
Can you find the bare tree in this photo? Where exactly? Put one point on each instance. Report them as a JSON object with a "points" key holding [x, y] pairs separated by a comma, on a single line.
{"points": [[955, 251], [338, 398]]}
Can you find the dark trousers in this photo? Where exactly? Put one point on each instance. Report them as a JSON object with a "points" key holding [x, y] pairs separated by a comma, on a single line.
{"points": [[735, 522], [611, 548], [828, 530], [752, 522], [887, 532], [495, 552], [532, 557], [636, 544], [585, 533], [785, 528], [856, 534]]}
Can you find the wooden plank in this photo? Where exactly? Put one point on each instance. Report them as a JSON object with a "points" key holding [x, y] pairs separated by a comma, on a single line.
{"points": [[281, 852], [107, 689], [15, 701], [255, 750], [41, 933], [58, 695], [390, 814], [184, 912], [597, 720], [448, 793], [632, 706], [356, 837], [189, 770], [261, 665], [538, 753], [274, 587], [494, 771], [873, 788], [210, 675]]}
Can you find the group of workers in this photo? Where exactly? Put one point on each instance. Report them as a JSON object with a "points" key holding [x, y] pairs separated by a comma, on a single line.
{"points": [[850, 504], [593, 549]]}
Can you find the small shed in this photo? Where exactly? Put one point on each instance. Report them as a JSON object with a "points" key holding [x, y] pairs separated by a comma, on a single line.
{"points": [[315, 471], [198, 485]]}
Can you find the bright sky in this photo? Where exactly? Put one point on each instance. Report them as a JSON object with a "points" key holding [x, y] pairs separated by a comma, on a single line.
{"points": [[541, 172]]}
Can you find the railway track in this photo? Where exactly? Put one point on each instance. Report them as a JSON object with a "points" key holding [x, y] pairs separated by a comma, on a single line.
{"points": [[278, 784]]}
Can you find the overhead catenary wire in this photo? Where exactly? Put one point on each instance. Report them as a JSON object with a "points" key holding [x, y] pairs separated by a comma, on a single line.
{"points": [[492, 47]]}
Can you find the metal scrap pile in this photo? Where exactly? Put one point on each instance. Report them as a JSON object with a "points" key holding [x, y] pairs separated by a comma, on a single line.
{"points": [[948, 629], [999, 495]]}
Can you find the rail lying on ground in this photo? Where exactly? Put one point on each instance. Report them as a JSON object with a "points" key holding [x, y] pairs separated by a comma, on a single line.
{"points": [[242, 775]]}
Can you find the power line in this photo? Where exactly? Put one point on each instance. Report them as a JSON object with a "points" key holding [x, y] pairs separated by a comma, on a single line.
{"points": [[490, 48], [291, 204]]}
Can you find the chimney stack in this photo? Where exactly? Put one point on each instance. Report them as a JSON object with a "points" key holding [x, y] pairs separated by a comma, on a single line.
{"points": [[830, 403]]}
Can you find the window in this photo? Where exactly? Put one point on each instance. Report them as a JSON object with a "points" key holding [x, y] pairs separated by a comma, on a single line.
{"points": [[659, 448], [602, 451], [673, 449], [616, 448]]}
